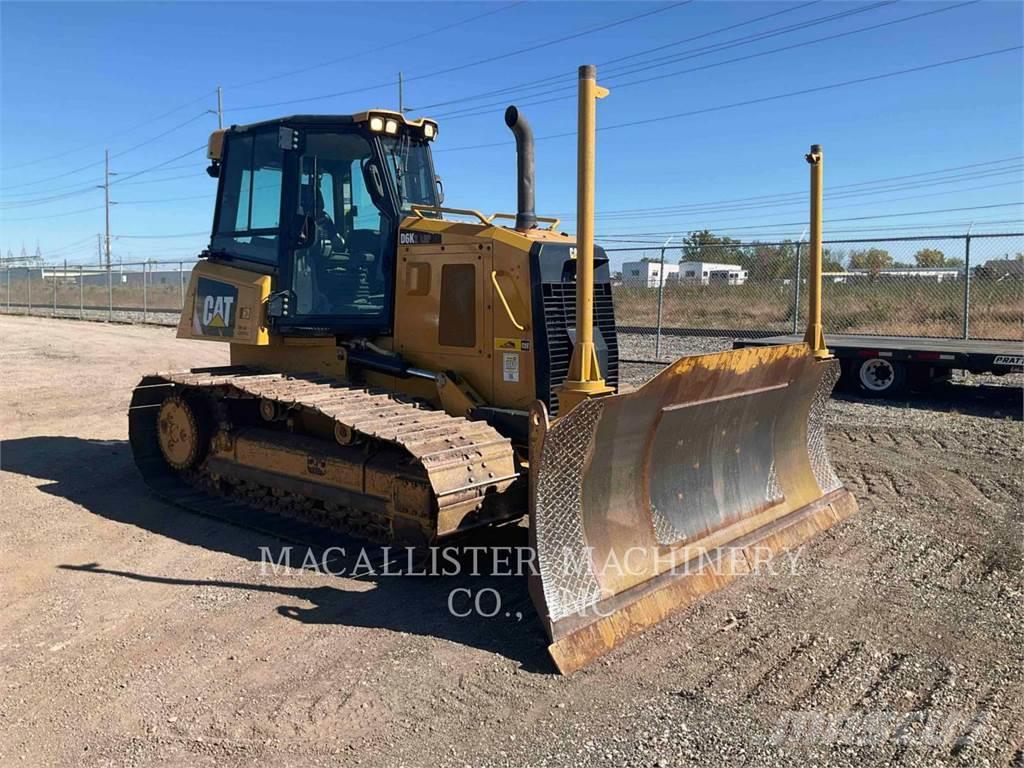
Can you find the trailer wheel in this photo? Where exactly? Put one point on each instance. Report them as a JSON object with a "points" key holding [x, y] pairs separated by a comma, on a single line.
{"points": [[879, 377]]}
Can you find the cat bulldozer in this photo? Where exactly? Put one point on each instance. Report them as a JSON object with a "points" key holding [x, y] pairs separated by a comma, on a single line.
{"points": [[409, 372]]}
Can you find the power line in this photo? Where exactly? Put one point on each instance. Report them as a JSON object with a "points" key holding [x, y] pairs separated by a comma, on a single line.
{"points": [[143, 124], [376, 49], [168, 178], [162, 237], [169, 168], [100, 162], [786, 199], [77, 185], [486, 109], [207, 196], [797, 205], [754, 38], [830, 221], [703, 51], [125, 177], [10, 205], [52, 214], [467, 65], [70, 247], [553, 78], [753, 239], [761, 100]]}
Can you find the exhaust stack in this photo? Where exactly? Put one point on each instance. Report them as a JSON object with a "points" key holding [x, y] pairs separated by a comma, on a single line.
{"points": [[526, 215]]}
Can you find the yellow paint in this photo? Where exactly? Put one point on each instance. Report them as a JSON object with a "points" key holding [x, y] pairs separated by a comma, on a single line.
{"points": [[815, 335], [250, 326], [584, 379], [738, 360]]}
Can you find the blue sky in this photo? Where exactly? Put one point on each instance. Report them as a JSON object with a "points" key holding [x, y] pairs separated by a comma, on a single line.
{"points": [[79, 77]]}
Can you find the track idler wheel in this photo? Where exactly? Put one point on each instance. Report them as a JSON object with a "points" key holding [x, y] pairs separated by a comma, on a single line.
{"points": [[182, 432]]}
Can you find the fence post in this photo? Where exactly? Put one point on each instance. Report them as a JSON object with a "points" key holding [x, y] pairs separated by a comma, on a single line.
{"points": [[53, 296], [8, 290], [796, 291], [145, 293], [81, 292], [181, 287], [28, 272], [967, 286], [661, 299], [110, 292]]}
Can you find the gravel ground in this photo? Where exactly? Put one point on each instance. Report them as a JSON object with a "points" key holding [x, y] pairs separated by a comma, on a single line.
{"points": [[133, 634], [152, 317]]}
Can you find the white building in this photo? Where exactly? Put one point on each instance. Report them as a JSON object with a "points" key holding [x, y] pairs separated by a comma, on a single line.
{"points": [[708, 272], [938, 274], [648, 273]]}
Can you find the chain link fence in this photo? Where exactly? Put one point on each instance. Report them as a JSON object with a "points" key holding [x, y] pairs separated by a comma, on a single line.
{"points": [[958, 286], [669, 301], [132, 292]]}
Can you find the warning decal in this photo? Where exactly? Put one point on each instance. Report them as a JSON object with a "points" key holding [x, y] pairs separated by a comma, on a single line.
{"points": [[510, 366], [516, 344]]}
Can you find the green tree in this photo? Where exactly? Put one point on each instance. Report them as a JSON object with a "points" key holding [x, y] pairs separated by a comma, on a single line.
{"points": [[830, 262], [707, 246], [954, 263], [874, 260], [929, 257], [767, 261]]}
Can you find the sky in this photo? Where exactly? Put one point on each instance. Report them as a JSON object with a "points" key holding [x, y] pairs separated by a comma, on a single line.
{"points": [[712, 107]]}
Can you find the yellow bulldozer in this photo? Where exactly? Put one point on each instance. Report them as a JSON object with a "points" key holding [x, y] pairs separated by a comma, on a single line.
{"points": [[408, 372]]}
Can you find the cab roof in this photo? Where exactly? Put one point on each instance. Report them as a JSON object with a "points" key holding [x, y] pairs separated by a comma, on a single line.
{"points": [[358, 117]]}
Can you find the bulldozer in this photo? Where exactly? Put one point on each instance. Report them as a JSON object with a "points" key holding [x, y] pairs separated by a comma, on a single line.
{"points": [[408, 372]]}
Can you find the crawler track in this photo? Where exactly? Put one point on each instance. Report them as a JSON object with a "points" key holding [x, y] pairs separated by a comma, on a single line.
{"points": [[326, 454]]}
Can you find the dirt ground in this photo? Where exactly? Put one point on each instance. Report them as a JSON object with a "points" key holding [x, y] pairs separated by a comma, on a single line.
{"points": [[135, 634]]}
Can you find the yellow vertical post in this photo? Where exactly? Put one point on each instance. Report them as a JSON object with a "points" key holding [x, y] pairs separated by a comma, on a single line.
{"points": [[815, 336], [584, 380]]}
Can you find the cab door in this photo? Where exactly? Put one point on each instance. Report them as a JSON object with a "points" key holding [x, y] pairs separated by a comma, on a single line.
{"points": [[338, 266]]}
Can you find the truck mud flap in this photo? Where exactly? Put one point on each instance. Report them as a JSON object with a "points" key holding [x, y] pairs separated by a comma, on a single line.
{"points": [[643, 502]]}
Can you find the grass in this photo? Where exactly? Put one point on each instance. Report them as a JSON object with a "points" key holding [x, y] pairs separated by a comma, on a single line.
{"points": [[898, 307], [910, 306]]}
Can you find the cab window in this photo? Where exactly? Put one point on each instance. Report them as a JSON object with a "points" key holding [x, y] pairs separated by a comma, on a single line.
{"points": [[249, 212]]}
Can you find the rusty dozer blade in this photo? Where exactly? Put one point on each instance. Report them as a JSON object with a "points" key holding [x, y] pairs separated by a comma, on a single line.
{"points": [[643, 502]]}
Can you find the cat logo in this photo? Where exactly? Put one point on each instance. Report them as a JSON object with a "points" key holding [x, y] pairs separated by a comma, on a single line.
{"points": [[316, 466], [215, 308]]}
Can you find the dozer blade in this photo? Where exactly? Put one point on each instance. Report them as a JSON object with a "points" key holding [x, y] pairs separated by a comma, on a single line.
{"points": [[643, 502]]}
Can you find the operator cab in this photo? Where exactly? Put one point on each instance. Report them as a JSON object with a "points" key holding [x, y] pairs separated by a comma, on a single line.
{"points": [[316, 201]]}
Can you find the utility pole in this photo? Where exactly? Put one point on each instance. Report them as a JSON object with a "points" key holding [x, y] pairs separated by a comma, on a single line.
{"points": [[106, 198], [99, 248], [401, 101], [220, 108]]}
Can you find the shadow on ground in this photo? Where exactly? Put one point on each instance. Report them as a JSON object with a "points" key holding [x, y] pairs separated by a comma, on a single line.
{"points": [[100, 476]]}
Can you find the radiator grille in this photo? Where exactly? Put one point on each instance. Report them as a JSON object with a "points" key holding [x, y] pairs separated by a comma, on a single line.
{"points": [[559, 316]]}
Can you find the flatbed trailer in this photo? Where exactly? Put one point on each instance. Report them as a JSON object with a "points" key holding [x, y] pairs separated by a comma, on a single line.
{"points": [[884, 366]]}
